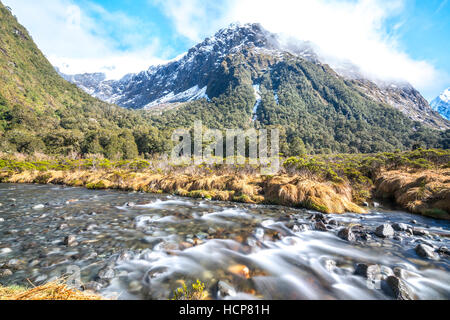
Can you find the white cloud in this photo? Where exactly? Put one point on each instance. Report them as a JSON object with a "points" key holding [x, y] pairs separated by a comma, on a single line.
{"points": [[194, 19], [77, 43], [352, 30]]}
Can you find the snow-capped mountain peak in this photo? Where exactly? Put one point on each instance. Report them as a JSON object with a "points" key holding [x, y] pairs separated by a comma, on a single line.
{"points": [[442, 104], [445, 96], [206, 71]]}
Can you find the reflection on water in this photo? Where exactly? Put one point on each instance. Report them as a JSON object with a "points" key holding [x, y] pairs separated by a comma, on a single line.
{"points": [[143, 246]]}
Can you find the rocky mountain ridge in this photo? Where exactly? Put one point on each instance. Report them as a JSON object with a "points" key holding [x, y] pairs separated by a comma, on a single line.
{"points": [[196, 75]]}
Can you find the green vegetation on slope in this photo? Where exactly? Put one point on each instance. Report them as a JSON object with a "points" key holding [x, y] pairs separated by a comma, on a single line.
{"points": [[39, 111], [316, 110]]}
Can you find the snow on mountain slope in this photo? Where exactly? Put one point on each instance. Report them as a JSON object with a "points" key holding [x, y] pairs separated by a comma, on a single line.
{"points": [[442, 104], [199, 74]]}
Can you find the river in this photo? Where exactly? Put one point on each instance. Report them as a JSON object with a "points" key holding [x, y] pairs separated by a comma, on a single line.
{"points": [[130, 245]]}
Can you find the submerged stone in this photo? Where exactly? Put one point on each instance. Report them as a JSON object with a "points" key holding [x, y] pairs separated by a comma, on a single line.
{"points": [[385, 231]]}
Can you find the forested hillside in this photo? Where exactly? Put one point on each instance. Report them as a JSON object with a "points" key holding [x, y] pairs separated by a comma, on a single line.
{"points": [[39, 111]]}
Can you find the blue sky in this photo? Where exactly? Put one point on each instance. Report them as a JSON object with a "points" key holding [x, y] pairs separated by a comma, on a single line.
{"points": [[395, 39]]}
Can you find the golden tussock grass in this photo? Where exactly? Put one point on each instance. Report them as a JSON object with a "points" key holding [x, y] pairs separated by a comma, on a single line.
{"points": [[55, 290], [296, 190], [426, 192]]}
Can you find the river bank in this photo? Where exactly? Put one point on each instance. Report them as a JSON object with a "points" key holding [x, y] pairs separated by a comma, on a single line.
{"points": [[416, 181]]}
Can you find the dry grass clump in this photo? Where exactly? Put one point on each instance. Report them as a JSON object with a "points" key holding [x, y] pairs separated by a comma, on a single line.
{"points": [[55, 290], [426, 192], [325, 197]]}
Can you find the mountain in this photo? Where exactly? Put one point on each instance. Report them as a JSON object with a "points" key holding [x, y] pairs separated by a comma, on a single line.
{"points": [[198, 75], [442, 104], [42, 112], [237, 79]]}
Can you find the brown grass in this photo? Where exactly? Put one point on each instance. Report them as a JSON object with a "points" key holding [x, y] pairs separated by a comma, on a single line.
{"points": [[56, 290], [297, 190], [426, 192]]}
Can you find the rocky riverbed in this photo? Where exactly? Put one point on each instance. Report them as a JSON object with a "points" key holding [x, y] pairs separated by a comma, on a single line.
{"points": [[143, 246]]}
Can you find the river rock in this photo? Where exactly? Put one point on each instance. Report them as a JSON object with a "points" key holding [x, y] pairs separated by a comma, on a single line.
{"points": [[398, 289], [2, 220], [444, 251], [63, 226], [5, 273], [420, 232], [333, 222], [70, 240], [107, 273], [400, 227], [320, 217], [34, 263], [90, 227], [92, 286], [368, 271], [426, 252], [347, 234], [320, 226], [14, 264], [385, 231], [330, 265], [225, 290], [38, 207]]}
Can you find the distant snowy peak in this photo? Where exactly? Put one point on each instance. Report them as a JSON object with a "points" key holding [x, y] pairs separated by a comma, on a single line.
{"points": [[442, 104], [445, 96]]}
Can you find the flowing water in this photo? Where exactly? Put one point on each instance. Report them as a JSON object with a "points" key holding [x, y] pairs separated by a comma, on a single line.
{"points": [[143, 246]]}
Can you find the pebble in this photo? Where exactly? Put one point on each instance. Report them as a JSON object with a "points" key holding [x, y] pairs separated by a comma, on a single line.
{"points": [[385, 231], [63, 226], [5, 273], [70, 240], [420, 232], [368, 271], [2, 220], [14, 264], [38, 207], [319, 217], [92, 286], [330, 265], [426, 252], [333, 222], [107, 273], [400, 227], [320, 226], [398, 288], [346, 234], [225, 290], [444, 250]]}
